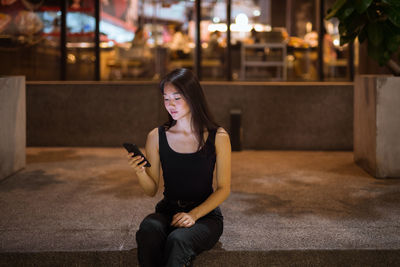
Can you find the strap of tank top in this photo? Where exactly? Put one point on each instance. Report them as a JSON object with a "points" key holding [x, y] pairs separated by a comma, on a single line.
{"points": [[212, 134], [161, 137]]}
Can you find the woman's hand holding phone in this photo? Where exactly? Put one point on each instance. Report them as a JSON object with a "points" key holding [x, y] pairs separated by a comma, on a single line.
{"points": [[137, 159], [136, 164]]}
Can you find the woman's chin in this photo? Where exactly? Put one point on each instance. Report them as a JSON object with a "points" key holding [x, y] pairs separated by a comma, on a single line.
{"points": [[174, 117]]}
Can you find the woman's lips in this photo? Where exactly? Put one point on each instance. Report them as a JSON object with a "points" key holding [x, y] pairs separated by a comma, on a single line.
{"points": [[174, 112]]}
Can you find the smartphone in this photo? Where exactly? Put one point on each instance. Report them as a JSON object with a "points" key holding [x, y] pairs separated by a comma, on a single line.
{"points": [[132, 148]]}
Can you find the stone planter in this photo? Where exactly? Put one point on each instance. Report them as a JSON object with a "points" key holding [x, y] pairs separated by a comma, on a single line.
{"points": [[12, 125], [377, 124]]}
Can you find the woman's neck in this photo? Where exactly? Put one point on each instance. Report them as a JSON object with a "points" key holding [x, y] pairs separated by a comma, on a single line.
{"points": [[184, 124]]}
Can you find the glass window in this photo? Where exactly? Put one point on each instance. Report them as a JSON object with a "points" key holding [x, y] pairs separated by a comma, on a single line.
{"points": [[302, 56], [213, 39], [118, 22], [143, 40], [80, 40], [335, 56], [29, 38], [259, 43], [146, 39]]}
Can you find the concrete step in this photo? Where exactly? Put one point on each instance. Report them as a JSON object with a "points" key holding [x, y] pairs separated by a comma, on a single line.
{"points": [[82, 207], [213, 258]]}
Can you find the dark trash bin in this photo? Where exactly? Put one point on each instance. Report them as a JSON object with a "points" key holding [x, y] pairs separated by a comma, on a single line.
{"points": [[236, 130]]}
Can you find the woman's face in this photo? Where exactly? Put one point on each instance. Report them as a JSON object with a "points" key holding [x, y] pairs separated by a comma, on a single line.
{"points": [[175, 103]]}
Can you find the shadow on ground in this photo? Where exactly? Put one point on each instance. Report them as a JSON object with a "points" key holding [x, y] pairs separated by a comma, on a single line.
{"points": [[29, 181], [327, 185], [52, 156]]}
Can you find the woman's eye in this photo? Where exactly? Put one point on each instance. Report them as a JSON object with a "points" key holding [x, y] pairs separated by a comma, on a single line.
{"points": [[166, 99], [177, 98]]}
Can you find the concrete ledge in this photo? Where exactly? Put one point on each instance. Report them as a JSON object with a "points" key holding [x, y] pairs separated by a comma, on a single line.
{"points": [[82, 207], [70, 258], [213, 258], [13, 125], [377, 124], [304, 116]]}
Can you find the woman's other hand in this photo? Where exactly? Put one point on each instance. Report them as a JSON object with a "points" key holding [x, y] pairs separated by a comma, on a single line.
{"points": [[134, 162], [183, 219]]}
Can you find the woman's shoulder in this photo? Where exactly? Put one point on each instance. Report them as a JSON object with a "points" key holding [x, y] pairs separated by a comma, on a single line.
{"points": [[221, 136], [222, 140], [154, 132], [221, 132], [152, 136]]}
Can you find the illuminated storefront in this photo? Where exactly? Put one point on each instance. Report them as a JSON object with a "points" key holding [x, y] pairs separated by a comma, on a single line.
{"points": [[269, 40]]}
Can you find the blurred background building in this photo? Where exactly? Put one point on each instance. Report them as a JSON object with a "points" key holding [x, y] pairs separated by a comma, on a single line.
{"points": [[263, 40]]}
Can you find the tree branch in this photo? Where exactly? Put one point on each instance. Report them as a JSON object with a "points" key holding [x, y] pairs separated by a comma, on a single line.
{"points": [[393, 67]]}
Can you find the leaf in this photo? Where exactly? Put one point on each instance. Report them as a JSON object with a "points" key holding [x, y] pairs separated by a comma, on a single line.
{"points": [[384, 58], [352, 25], [345, 11], [342, 28], [394, 16], [362, 35], [392, 2], [348, 11], [391, 28], [375, 34], [375, 52], [393, 43], [335, 8], [362, 5], [344, 39]]}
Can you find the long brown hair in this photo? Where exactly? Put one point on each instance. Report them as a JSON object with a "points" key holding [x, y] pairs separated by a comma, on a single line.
{"points": [[189, 87]]}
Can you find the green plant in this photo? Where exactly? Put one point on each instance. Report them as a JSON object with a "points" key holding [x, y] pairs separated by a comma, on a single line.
{"points": [[375, 21]]}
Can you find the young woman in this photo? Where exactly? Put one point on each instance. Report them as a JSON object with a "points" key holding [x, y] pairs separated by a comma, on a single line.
{"points": [[187, 220]]}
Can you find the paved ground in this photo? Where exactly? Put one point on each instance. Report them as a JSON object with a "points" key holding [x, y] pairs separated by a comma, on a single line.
{"points": [[88, 199]]}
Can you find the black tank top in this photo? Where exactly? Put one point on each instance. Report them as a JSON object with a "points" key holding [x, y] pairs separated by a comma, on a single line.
{"points": [[187, 176]]}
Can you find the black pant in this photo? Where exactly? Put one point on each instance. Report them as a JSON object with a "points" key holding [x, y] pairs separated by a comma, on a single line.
{"points": [[160, 244]]}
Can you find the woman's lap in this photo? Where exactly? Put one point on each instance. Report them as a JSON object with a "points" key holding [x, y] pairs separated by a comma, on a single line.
{"points": [[203, 235], [155, 231]]}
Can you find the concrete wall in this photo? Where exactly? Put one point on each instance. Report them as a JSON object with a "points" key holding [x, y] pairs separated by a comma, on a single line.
{"points": [[90, 113], [388, 127], [315, 116], [377, 125], [12, 125]]}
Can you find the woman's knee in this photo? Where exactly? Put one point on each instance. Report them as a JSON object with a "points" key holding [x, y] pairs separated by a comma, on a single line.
{"points": [[177, 237], [153, 222], [152, 227], [179, 250]]}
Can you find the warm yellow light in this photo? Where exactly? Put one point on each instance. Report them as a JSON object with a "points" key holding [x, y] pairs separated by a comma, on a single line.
{"points": [[221, 27], [336, 42], [71, 58], [308, 27], [241, 28], [259, 27], [242, 19], [256, 13]]}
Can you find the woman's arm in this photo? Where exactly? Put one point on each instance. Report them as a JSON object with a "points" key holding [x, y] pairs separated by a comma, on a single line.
{"points": [[149, 177], [223, 176]]}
